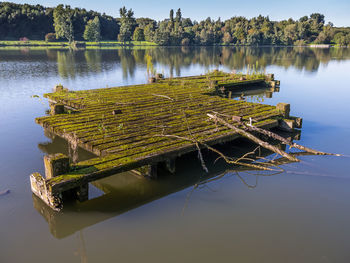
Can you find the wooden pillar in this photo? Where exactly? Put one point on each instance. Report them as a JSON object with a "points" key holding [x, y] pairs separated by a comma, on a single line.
{"points": [[152, 80], [148, 171], [272, 83], [56, 109], [229, 94], [298, 122], [58, 88], [286, 125], [55, 165], [73, 151], [82, 192], [40, 189], [268, 94], [170, 165], [213, 83], [58, 164], [284, 109], [270, 76], [159, 76]]}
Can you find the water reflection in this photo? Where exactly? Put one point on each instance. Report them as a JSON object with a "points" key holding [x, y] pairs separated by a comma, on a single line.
{"points": [[71, 64], [126, 191], [59, 145]]}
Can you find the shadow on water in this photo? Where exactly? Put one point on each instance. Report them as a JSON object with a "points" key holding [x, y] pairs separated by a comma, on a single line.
{"points": [[126, 191]]}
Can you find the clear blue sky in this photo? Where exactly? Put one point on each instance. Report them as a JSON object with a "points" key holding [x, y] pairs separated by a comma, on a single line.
{"points": [[336, 11]]}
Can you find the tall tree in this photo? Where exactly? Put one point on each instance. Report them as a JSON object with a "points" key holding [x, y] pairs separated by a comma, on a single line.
{"points": [[178, 16], [138, 34], [171, 17], [92, 30], [128, 22], [62, 17]]}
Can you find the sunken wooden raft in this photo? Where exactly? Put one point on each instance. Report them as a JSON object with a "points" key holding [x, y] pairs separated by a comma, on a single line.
{"points": [[123, 126]]}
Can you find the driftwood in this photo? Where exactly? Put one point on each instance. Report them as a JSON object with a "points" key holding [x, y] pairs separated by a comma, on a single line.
{"points": [[284, 140], [5, 192], [254, 138], [163, 96], [260, 166]]}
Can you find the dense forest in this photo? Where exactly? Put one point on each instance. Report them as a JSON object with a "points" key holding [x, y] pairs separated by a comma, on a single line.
{"points": [[64, 23]]}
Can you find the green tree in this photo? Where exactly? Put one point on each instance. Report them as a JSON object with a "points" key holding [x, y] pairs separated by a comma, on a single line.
{"points": [[342, 38], [138, 34], [227, 39], [128, 22], [178, 16], [62, 17], [149, 32], [92, 30]]}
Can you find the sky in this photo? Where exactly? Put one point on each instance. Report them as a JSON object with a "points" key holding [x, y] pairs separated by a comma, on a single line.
{"points": [[336, 11]]}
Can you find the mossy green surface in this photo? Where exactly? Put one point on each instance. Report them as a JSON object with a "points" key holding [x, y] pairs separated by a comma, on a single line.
{"points": [[135, 136]]}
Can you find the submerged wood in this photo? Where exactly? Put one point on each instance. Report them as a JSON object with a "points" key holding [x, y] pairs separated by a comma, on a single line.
{"points": [[285, 141], [226, 159], [5, 192], [253, 138]]}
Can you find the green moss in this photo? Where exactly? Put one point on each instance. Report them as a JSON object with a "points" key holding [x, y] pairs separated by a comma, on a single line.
{"points": [[170, 106]]}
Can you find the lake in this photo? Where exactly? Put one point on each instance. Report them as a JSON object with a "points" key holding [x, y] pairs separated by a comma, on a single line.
{"points": [[299, 215]]}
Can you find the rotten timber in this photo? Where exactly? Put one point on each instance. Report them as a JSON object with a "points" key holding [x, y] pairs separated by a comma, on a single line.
{"points": [[120, 125]]}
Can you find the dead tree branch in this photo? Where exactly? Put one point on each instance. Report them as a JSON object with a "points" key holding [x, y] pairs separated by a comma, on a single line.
{"points": [[253, 138]]}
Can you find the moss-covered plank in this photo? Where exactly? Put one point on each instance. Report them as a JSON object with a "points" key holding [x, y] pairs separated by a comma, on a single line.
{"points": [[100, 168]]}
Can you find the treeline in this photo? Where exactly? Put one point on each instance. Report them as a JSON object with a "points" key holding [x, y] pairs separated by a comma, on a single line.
{"points": [[35, 22], [63, 22]]}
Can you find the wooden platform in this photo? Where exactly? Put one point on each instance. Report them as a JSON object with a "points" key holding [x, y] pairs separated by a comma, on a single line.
{"points": [[126, 127]]}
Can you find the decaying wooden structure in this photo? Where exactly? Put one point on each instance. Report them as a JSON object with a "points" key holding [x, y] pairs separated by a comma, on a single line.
{"points": [[127, 127]]}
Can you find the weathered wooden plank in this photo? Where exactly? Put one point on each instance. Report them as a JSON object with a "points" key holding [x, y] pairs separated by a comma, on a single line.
{"points": [[111, 167]]}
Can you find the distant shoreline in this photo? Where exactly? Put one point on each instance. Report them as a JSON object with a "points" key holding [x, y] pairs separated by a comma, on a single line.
{"points": [[117, 44], [41, 43]]}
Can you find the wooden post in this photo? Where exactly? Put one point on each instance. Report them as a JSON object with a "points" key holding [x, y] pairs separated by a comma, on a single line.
{"points": [[270, 76], [73, 151], [159, 76], [55, 165], [58, 88], [298, 122], [287, 125], [82, 192], [284, 109], [56, 109], [268, 94], [148, 171], [272, 83], [213, 83], [40, 189], [152, 80], [230, 94], [170, 165], [58, 164]]}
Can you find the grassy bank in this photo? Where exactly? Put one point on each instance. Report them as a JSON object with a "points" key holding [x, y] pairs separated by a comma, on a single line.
{"points": [[41, 43]]}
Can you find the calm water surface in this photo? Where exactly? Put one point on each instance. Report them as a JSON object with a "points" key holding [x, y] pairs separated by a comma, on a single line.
{"points": [[300, 215]]}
